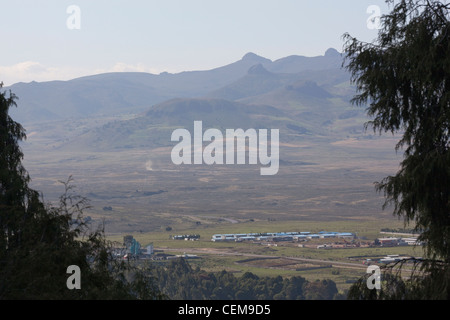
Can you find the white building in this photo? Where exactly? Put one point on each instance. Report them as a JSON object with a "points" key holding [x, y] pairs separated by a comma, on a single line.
{"points": [[150, 249]]}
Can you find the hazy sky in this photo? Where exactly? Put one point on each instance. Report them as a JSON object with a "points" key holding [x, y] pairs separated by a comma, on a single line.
{"points": [[40, 39]]}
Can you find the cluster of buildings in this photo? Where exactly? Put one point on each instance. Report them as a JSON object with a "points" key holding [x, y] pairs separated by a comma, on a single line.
{"points": [[133, 249], [281, 236], [393, 242], [389, 259], [305, 236]]}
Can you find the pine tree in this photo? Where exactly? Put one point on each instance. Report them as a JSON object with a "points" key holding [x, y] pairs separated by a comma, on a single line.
{"points": [[39, 242], [404, 78]]}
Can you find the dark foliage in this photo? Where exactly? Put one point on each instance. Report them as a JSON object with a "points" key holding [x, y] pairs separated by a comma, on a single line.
{"points": [[38, 242], [179, 281], [404, 77]]}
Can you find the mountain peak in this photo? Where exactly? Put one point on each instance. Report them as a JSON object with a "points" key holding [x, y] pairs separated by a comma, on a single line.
{"points": [[254, 57], [331, 52]]}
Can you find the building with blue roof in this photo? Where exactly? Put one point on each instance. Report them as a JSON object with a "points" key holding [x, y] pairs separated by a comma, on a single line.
{"points": [[280, 236]]}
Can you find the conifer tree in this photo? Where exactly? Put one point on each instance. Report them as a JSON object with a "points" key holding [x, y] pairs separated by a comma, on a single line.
{"points": [[39, 242], [404, 78]]}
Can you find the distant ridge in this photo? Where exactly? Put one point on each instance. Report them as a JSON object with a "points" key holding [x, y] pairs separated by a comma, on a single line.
{"points": [[134, 92]]}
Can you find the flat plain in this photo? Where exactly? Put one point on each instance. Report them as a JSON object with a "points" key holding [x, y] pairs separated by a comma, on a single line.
{"points": [[323, 185]]}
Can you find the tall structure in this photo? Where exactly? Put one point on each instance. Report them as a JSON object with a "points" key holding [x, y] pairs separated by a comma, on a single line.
{"points": [[149, 248], [135, 247], [132, 246], [127, 240]]}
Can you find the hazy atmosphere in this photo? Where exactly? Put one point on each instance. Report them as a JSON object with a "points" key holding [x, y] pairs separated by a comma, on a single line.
{"points": [[172, 36], [224, 150]]}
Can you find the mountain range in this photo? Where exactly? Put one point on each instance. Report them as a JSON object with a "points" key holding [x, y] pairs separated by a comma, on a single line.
{"points": [[301, 96], [129, 92]]}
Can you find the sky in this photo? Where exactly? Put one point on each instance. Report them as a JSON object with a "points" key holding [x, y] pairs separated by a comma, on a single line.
{"points": [[44, 40]]}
